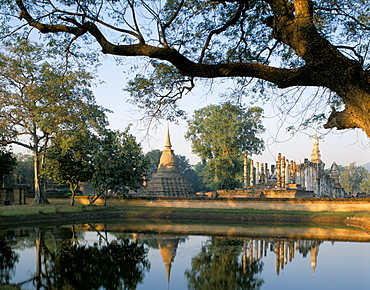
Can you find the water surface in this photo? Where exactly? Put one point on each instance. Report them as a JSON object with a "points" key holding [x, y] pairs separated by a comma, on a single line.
{"points": [[175, 256]]}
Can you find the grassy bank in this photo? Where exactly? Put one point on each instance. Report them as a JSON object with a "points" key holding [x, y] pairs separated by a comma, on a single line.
{"points": [[49, 209]]}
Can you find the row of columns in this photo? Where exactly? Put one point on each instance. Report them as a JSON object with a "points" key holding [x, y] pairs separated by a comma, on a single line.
{"points": [[256, 173], [284, 251], [287, 172], [284, 172]]}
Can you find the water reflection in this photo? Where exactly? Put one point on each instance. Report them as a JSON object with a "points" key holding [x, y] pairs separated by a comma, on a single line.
{"points": [[218, 266], [8, 258], [113, 257]]}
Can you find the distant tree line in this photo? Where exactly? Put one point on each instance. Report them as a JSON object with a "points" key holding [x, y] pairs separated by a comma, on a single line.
{"points": [[355, 179]]}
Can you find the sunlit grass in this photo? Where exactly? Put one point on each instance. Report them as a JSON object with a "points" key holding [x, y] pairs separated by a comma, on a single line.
{"points": [[35, 209], [143, 209]]}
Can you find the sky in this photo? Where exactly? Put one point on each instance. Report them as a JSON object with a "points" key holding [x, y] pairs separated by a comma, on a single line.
{"points": [[342, 147]]}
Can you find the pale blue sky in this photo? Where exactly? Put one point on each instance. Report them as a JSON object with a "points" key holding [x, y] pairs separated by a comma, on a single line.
{"points": [[343, 148]]}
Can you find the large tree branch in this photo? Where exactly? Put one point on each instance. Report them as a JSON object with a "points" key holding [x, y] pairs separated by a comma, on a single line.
{"points": [[280, 76], [47, 28], [8, 142]]}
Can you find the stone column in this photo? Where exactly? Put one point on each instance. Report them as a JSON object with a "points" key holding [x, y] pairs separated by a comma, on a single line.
{"points": [[277, 257], [298, 174], [245, 176], [278, 171], [251, 167], [292, 172], [250, 251], [283, 185], [266, 173], [262, 174], [257, 173], [287, 172]]}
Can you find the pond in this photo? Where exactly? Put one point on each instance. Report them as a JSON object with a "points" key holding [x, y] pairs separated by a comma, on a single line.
{"points": [[156, 255]]}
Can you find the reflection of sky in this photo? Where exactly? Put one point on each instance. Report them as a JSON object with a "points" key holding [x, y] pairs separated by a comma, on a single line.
{"points": [[157, 279], [26, 266], [342, 265]]}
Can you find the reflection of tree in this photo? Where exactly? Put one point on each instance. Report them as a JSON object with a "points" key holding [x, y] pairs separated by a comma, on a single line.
{"points": [[8, 258], [63, 264], [118, 265], [219, 266]]}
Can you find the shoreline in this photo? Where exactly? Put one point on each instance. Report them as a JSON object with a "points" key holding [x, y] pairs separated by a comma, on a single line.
{"points": [[46, 215]]}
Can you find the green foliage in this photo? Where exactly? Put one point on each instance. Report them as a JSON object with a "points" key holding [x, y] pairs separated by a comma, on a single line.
{"points": [[42, 96], [186, 41], [111, 161], [120, 264], [158, 92], [8, 163], [8, 259], [218, 266], [69, 159], [153, 157], [119, 164], [23, 172], [354, 179], [220, 135]]}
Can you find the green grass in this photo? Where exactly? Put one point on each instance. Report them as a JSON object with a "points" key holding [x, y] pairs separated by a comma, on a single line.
{"points": [[33, 209]]}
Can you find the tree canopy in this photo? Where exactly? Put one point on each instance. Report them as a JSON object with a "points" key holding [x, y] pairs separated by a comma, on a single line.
{"points": [[42, 96], [220, 135], [8, 163], [355, 179], [287, 43], [69, 159], [119, 163]]}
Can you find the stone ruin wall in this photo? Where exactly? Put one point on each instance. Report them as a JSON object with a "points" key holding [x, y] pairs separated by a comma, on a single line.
{"points": [[287, 175]]}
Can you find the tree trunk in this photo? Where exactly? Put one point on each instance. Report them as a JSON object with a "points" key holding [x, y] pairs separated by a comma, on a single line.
{"points": [[38, 244], [356, 113], [73, 188], [40, 198]]}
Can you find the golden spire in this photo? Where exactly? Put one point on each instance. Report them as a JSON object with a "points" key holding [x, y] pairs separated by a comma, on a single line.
{"points": [[167, 159], [168, 140], [315, 155]]}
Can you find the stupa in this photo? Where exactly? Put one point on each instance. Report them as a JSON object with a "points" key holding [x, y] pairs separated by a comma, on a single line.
{"points": [[168, 180], [315, 154]]}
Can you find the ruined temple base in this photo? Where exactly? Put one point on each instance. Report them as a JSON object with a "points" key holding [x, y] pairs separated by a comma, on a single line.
{"points": [[265, 193]]}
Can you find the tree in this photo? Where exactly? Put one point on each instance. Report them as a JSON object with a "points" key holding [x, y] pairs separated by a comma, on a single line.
{"points": [[65, 263], [218, 266], [8, 163], [23, 172], [110, 161], [288, 43], [40, 97], [365, 185], [220, 135], [69, 160], [118, 162], [153, 157], [8, 259], [354, 178]]}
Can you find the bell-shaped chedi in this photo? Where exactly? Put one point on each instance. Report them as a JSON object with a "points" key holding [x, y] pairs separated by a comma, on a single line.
{"points": [[168, 180]]}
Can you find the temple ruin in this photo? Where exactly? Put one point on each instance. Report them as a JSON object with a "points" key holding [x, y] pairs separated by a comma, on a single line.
{"points": [[168, 181], [287, 179]]}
